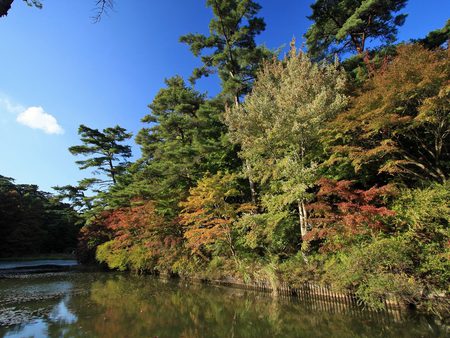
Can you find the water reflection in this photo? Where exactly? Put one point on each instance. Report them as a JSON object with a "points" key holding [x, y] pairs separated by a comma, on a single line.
{"points": [[110, 305], [60, 316], [37, 329]]}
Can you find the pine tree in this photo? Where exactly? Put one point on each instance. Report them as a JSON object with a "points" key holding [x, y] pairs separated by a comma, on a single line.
{"points": [[235, 56], [108, 154], [234, 53], [342, 26], [186, 139]]}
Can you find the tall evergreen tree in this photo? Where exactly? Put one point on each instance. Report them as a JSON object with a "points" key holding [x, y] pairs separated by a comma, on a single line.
{"points": [[186, 139], [342, 26], [437, 37], [108, 154], [234, 54]]}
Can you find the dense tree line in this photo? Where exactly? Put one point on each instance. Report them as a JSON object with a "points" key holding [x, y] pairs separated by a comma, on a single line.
{"points": [[34, 222], [302, 168]]}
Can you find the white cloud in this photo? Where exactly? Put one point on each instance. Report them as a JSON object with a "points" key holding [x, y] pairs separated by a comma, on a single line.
{"points": [[37, 118]]}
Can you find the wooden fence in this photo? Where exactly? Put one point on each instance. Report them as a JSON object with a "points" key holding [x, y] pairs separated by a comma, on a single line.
{"points": [[323, 298]]}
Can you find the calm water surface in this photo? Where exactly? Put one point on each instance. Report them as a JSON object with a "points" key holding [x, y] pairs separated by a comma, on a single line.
{"points": [[4, 265], [74, 304]]}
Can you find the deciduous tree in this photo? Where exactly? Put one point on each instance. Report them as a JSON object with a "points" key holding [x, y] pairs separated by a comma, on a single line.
{"points": [[140, 237], [279, 124], [210, 211], [400, 124], [342, 214]]}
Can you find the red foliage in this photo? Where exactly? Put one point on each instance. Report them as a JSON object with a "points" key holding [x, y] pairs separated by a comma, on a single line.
{"points": [[137, 224], [91, 236], [140, 223], [344, 212]]}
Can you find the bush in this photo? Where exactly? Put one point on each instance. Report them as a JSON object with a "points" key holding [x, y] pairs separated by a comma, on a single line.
{"points": [[374, 271]]}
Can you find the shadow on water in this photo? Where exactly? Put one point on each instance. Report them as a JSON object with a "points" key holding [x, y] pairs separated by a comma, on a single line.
{"points": [[115, 305]]}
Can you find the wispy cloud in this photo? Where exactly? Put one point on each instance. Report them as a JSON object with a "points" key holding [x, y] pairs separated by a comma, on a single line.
{"points": [[9, 106], [37, 118]]}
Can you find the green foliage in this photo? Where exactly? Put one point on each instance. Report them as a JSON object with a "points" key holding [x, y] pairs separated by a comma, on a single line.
{"points": [[420, 208], [279, 123], [412, 265], [436, 38], [234, 53], [347, 25], [278, 127], [375, 271], [186, 140], [348, 179], [424, 216], [77, 195], [296, 270], [33, 222], [109, 155], [116, 259], [270, 233]]}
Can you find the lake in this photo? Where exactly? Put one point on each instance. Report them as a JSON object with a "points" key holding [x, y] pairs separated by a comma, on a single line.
{"points": [[82, 304]]}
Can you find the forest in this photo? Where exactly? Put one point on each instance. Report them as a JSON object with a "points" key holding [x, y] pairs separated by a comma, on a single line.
{"points": [[328, 163], [34, 222]]}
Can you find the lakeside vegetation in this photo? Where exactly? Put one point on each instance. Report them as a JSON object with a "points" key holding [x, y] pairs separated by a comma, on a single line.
{"points": [[34, 223], [328, 165]]}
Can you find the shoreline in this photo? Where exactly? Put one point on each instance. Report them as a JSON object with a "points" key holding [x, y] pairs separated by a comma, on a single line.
{"points": [[322, 296]]}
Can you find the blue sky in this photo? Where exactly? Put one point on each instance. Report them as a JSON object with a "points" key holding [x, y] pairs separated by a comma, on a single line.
{"points": [[61, 70]]}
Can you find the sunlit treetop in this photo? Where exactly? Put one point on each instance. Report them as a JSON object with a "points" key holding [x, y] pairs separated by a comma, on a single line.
{"points": [[342, 26], [231, 48]]}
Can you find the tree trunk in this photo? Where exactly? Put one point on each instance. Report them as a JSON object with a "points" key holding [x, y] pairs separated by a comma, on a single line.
{"points": [[303, 218], [111, 167]]}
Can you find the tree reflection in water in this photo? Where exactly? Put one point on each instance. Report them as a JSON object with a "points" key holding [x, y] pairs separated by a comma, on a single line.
{"points": [[114, 305]]}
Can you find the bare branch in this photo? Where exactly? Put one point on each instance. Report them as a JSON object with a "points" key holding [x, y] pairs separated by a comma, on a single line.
{"points": [[102, 7]]}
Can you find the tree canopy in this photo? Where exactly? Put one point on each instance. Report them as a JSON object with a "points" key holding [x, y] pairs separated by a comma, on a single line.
{"points": [[109, 155], [341, 26], [234, 53], [399, 124], [278, 126], [34, 222]]}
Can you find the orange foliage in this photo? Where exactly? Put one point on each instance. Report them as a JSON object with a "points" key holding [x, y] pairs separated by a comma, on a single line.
{"points": [[140, 223], [209, 214], [399, 124]]}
